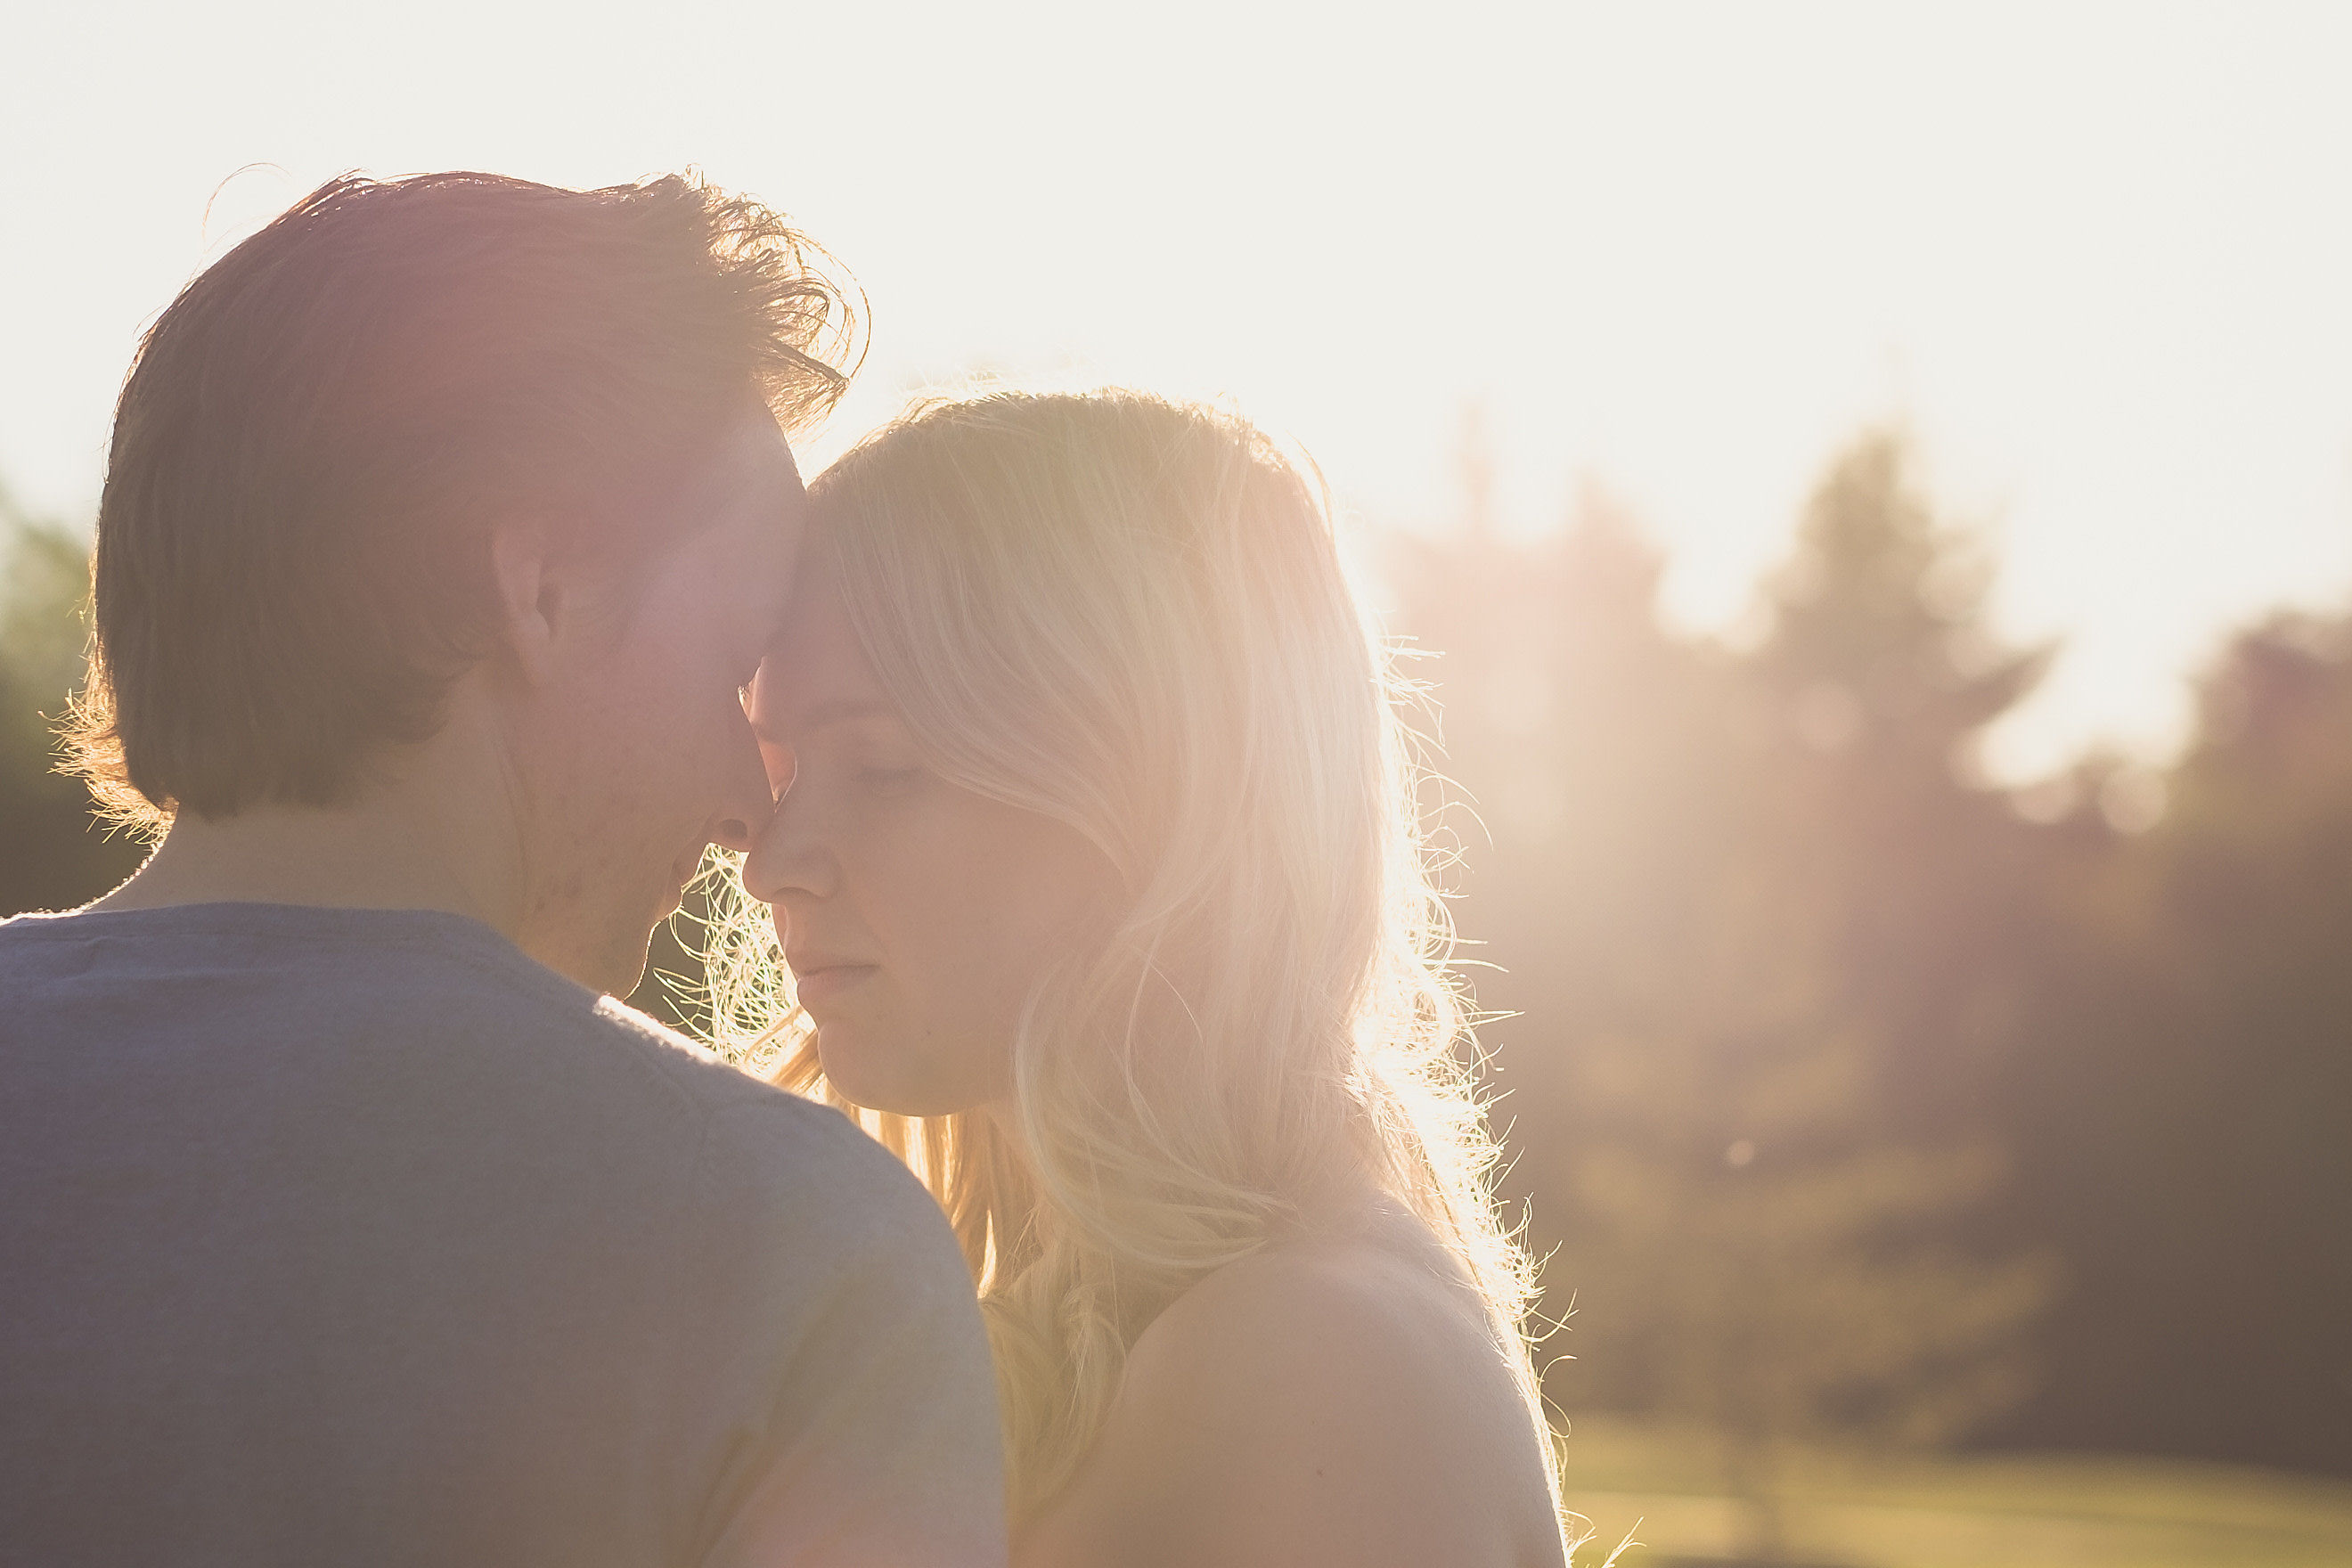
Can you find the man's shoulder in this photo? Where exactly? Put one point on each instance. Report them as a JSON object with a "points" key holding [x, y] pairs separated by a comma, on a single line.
{"points": [[692, 1074], [744, 1129], [775, 1161], [431, 1007], [756, 1138], [410, 994]]}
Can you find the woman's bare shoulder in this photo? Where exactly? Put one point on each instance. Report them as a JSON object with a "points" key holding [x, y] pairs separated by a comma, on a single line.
{"points": [[1335, 1399], [1345, 1309]]}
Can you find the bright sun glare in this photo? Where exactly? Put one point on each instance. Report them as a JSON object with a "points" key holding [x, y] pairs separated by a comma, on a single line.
{"points": [[2093, 256]]}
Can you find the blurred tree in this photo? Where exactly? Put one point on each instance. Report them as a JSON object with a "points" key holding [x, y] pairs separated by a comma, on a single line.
{"points": [[2184, 1124], [1886, 674], [1698, 862], [53, 853]]}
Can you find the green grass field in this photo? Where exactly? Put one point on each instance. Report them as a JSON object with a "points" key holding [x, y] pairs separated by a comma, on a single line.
{"points": [[2020, 1511]]}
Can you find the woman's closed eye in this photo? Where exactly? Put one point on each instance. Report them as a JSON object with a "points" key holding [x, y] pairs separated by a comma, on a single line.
{"points": [[890, 776], [877, 755]]}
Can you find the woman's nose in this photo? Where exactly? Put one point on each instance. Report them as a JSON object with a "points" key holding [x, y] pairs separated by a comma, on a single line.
{"points": [[788, 854]]}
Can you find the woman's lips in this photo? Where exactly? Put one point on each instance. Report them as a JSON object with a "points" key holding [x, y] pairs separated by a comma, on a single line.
{"points": [[826, 984]]}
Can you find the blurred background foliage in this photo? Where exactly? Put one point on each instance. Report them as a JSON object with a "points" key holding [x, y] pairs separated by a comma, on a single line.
{"points": [[53, 852], [1854, 1101]]}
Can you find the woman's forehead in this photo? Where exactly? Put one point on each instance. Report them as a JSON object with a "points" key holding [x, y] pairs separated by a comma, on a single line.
{"points": [[814, 667]]}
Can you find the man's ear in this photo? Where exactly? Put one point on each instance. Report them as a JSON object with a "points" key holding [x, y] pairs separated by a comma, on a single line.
{"points": [[534, 598]]}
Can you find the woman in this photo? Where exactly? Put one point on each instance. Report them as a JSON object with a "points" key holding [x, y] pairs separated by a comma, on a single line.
{"points": [[1096, 867]]}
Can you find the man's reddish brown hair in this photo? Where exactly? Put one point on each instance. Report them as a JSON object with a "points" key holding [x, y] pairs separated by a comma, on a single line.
{"points": [[318, 434]]}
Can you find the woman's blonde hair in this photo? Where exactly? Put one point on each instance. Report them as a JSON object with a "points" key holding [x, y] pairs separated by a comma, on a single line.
{"points": [[1130, 615]]}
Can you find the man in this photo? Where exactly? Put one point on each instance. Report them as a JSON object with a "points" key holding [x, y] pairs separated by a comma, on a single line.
{"points": [[345, 1219]]}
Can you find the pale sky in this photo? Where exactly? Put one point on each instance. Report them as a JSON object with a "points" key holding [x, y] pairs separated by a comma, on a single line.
{"points": [[2097, 257]]}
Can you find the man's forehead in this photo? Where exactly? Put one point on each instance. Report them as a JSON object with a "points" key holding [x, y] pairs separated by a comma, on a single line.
{"points": [[756, 477]]}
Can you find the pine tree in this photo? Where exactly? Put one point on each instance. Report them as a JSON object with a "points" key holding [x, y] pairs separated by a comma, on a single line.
{"points": [[2181, 1126], [1695, 857]]}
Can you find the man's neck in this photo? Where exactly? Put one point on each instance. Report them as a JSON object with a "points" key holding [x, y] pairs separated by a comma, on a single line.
{"points": [[430, 832], [331, 857]]}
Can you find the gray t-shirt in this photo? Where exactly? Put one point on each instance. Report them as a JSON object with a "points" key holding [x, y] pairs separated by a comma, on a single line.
{"points": [[354, 1236]]}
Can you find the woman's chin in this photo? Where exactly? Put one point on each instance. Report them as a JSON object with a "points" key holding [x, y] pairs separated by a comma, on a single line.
{"points": [[860, 1076], [854, 1073]]}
